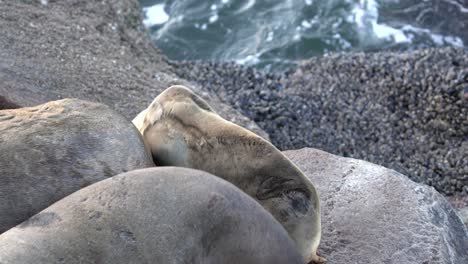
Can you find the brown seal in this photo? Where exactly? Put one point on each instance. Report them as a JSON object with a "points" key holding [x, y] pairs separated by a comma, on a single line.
{"points": [[181, 129]]}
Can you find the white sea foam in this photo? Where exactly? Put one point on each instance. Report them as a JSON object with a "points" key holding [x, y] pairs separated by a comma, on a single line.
{"points": [[383, 31], [249, 60], [155, 15], [454, 41], [366, 14], [247, 6], [45, 2], [270, 36], [167, 25], [306, 24], [213, 18], [437, 38], [358, 14]]}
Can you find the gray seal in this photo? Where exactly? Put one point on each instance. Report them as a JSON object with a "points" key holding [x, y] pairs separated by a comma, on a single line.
{"points": [[52, 150], [156, 215], [181, 129]]}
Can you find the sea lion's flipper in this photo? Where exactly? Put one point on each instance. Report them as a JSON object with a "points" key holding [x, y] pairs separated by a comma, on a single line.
{"points": [[316, 259]]}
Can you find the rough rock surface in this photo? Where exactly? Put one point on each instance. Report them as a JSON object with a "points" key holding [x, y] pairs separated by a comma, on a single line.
{"points": [[93, 50], [158, 215], [460, 203], [371, 214], [54, 149], [464, 215], [406, 111]]}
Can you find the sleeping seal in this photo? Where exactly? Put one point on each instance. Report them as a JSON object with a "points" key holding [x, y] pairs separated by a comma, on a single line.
{"points": [[157, 215], [181, 129], [52, 150]]}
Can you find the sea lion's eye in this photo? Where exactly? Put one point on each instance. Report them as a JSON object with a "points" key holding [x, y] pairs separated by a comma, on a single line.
{"points": [[299, 201]]}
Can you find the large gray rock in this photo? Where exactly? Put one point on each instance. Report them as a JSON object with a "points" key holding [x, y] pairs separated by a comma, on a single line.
{"points": [[371, 214], [158, 215], [460, 203], [54, 149], [93, 50], [464, 215]]}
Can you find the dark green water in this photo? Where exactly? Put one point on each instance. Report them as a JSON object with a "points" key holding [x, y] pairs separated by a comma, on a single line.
{"points": [[275, 34]]}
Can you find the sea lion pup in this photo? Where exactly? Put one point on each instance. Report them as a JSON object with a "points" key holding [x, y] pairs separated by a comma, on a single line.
{"points": [[181, 129], [156, 215]]}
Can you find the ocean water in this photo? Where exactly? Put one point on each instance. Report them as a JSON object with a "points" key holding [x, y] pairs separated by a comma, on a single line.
{"points": [[275, 34]]}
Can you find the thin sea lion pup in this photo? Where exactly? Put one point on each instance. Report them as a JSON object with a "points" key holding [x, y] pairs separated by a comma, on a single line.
{"points": [[181, 129]]}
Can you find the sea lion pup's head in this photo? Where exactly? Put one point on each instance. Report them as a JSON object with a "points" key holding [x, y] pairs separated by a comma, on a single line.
{"points": [[181, 129]]}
